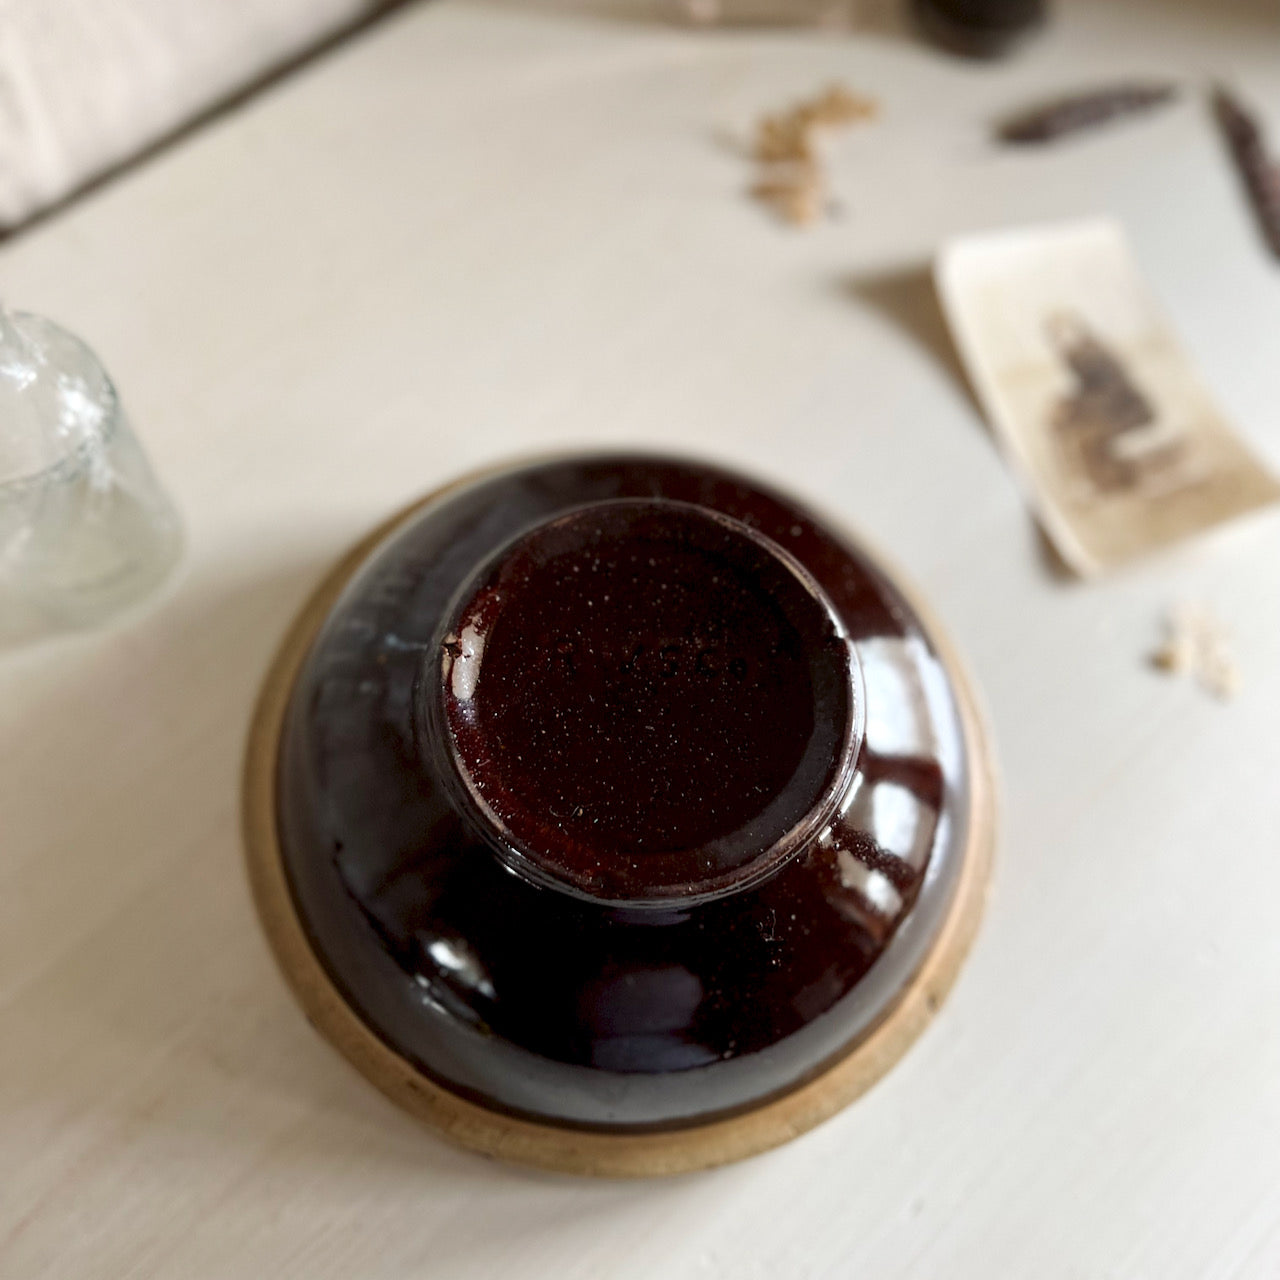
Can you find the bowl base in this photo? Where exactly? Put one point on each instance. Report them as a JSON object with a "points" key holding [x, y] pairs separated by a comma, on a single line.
{"points": [[682, 1149]]}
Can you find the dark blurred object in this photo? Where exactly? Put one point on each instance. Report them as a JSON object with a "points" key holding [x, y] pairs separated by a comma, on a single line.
{"points": [[979, 28], [1052, 120], [1258, 167]]}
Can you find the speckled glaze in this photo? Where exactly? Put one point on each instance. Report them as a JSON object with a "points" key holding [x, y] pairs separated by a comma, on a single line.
{"points": [[632, 854], [647, 703]]}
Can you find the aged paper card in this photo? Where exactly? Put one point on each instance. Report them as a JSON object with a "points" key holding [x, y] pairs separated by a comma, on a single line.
{"points": [[1094, 402]]}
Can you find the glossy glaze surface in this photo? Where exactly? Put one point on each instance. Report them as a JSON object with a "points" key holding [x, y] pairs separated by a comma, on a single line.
{"points": [[648, 701], [531, 997]]}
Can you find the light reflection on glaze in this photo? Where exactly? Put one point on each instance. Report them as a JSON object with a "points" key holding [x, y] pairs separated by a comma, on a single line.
{"points": [[460, 963], [640, 1016], [899, 722], [462, 657], [874, 886]]}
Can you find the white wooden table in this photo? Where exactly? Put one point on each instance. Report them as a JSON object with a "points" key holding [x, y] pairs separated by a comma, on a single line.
{"points": [[483, 229]]}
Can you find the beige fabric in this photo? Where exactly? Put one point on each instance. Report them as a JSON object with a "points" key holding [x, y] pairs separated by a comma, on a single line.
{"points": [[85, 84]]}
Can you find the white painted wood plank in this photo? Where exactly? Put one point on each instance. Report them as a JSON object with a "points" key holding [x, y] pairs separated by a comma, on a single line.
{"points": [[488, 229]]}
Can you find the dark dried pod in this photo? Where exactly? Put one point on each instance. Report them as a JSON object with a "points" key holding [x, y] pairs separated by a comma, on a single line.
{"points": [[1259, 170], [1079, 112]]}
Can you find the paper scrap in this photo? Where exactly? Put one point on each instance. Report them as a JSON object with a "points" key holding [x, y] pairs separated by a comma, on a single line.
{"points": [[1092, 398]]}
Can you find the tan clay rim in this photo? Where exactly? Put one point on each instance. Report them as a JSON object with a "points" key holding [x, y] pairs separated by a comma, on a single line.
{"points": [[547, 1146]]}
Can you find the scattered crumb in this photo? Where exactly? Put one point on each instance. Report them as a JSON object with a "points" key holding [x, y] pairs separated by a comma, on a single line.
{"points": [[1173, 657], [1176, 654], [795, 191], [1218, 671], [791, 178], [1197, 644], [791, 135]]}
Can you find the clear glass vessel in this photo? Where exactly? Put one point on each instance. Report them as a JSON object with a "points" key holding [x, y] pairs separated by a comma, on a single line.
{"points": [[85, 528]]}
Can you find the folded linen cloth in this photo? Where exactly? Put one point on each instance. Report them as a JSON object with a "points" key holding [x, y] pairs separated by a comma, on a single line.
{"points": [[86, 84]]}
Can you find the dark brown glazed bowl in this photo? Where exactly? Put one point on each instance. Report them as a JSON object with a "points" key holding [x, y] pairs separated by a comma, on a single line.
{"points": [[615, 814]]}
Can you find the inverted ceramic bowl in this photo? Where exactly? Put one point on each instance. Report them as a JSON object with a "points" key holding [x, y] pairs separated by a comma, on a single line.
{"points": [[615, 814]]}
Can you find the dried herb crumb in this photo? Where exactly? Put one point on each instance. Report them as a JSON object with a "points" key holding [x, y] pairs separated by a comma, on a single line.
{"points": [[791, 179], [1197, 644]]}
